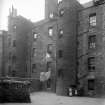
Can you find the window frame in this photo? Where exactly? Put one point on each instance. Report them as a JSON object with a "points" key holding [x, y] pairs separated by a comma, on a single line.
{"points": [[34, 66], [49, 64], [61, 12], [9, 55], [51, 15], [49, 48], [61, 34], [14, 43], [9, 69], [50, 31], [14, 59], [60, 73], [33, 52], [91, 85], [35, 35], [92, 20], [60, 53], [60, 1], [92, 41], [91, 64]]}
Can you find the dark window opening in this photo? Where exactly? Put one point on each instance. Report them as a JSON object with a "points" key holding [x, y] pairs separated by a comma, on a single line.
{"points": [[14, 43], [60, 73], [9, 69], [61, 12], [33, 67], [9, 42], [49, 48], [34, 52], [9, 56], [60, 33], [13, 73], [60, 53], [91, 63], [91, 84], [92, 41], [49, 83], [14, 59], [48, 66]]}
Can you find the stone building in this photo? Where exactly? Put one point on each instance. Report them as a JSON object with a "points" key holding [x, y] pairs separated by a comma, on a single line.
{"points": [[66, 45], [91, 49], [3, 41], [42, 57], [4, 53], [53, 45], [43, 53], [18, 29]]}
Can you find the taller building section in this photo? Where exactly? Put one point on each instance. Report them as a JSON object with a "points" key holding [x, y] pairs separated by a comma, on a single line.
{"points": [[51, 8], [91, 49], [66, 44], [18, 28]]}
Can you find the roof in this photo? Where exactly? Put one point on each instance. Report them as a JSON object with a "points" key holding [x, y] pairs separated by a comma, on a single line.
{"points": [[40, 22], [88, 4]]}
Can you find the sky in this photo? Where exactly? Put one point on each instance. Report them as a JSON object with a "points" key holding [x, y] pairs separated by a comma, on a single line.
{"points": [[30, 9]]}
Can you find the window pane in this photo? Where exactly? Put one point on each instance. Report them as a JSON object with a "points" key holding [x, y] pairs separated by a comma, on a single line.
{"points": [[61, 12], [33, 67], [49, 48], [61, 33], [13, 73], [91, 63], [92, 41], [9, 56], [9, 69], [48, 66], [13, 59], [9, 41], [60, 73], [92, 19], [60, 53], [34, 52], [14, 43], [50, 31], [35, 35], [60, 1], [91, 84], [51, 15]]}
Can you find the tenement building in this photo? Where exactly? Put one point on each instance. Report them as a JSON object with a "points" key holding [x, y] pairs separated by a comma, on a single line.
{"points": [[18, 29], [42, 42], [53, 46], [3, 47], [66, 45], [91, 49], [43, 53]]}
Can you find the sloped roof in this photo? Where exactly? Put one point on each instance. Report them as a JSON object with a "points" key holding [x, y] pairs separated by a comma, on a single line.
{"points": [[88, 4]]}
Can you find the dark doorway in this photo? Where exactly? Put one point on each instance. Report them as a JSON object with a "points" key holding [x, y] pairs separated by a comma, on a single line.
{"points": [[49, 84]]}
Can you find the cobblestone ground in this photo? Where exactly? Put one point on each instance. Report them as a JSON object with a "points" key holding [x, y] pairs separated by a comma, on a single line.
{"points": [[43, 98]]}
